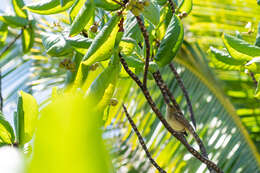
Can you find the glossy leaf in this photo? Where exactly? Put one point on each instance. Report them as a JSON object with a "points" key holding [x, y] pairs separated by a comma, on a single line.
{"points": [[28, 38], [152, 13], [79, 42], [171, 42], [55, 44], [13, 21], [185, 6], [108, 5], [76, 8], [82, 18], [103, 44], [127, 46], [222, 60], [105, 80], [6, 132], [254, 65], [132, 29], [239, 49], [27, 115], [18, 5], [47, 7]]}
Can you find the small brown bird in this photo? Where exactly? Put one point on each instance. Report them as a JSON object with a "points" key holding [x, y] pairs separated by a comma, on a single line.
{"points": [[173, 122]]}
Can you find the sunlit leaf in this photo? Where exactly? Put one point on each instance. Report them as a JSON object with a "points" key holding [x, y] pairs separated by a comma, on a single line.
{"points": [[240, 49], [6, 132]]}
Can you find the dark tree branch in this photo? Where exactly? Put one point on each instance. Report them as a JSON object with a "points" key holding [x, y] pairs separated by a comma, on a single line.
{"points": [[180, 117], [10, 44], [121, 4], [1, 54], [252, 75], [181, 84], [147, 46], [157, 112], [141, 140], [172, 6]]}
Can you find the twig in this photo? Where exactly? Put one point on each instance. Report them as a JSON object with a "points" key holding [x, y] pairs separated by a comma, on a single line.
{"points": [[119, 3], [147, 46], [253, 78], [157, 112], [180, 117], [141, 140], [172, 6], [10, 44], [1, 54], [181, 84]]}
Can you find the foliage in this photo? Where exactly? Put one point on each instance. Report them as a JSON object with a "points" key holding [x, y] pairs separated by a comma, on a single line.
{"points": [[79, 53]]}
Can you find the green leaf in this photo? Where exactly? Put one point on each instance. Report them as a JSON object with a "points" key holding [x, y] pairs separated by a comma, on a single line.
{"points": [[171, 42], [74, 10], [18, 5], [83, 17], [127, 46], [46, 7], [13, 21], [6, 131], [105, 80], [132, 29], [240, 49], [257, 40], [108, 5], [55, 44], [257, 91], [254, 65], [64, 2], [185, 6], [258, 2], [62, 136], [222, 60], [79, 41], [103, 44], [27, 115], [152, 13], [28, 38]]}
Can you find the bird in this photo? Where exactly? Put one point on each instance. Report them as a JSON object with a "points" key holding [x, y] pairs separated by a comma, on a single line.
{"points": [[173, 122]]}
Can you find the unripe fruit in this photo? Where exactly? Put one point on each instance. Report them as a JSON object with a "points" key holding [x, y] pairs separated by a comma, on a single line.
{"points": [[94, 28], [113, 102]]}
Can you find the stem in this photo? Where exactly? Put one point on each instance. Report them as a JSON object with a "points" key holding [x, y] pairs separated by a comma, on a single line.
{"points": [[147, 45], [10, 44], [141, 140], [253, 78], [121, 4], [1, 54], [157, 112], [181, 84], [172, 6]]}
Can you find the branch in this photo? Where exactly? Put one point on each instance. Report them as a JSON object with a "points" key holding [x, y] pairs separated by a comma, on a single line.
{"points": [[172, 6], [181, 84], [10, 44], [252, 75], [121, 4], [141, 140], [180, 117], [147, 45], [157, 112], [1, 54]]}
